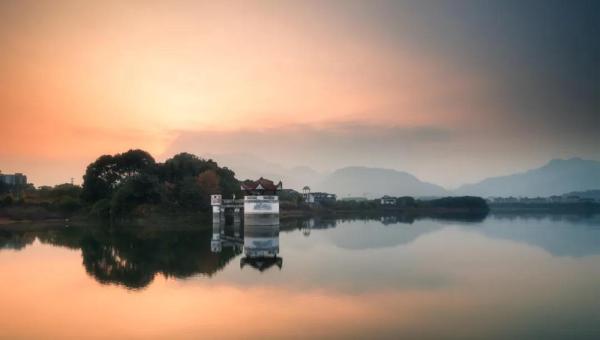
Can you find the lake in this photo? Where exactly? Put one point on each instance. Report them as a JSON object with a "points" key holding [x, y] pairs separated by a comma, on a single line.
{"points": [[500, 277]]}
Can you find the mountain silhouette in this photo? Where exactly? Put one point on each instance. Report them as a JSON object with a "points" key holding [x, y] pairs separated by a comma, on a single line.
{"points": [[557, 177]]}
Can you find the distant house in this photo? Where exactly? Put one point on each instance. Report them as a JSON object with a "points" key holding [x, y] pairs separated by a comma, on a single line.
{"points": [[322, 197], [317, 197], [17, 179], [260, 200], [388, 200]]}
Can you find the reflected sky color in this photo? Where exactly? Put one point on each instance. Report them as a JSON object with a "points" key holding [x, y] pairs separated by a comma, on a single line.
{"points": [[357, 278]]}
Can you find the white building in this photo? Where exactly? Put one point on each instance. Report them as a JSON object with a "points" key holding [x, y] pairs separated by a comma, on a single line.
{"points": [[388, 200]]}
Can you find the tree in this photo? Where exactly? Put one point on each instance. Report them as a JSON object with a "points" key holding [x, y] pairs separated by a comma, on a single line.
{"points": [[228, 183], [68, 205], [190, 195], [136, 190], [104, 175], [182, 166], [132, 178], [209, 182]]}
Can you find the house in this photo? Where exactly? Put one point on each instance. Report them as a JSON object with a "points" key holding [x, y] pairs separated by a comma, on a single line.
{"points": [[317, 197], [261, 201], [322, 197], [260, 187], [17, 179], [388, 200]]}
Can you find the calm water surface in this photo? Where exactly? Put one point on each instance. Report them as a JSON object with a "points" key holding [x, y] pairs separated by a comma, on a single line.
{"points": [[505, 277]]}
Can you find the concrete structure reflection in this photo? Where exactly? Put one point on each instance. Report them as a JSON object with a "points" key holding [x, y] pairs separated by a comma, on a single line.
{"points": [[257, 235]]}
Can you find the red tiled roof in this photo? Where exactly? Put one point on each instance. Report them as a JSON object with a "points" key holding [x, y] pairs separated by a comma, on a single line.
{"points": [[263, 182]]}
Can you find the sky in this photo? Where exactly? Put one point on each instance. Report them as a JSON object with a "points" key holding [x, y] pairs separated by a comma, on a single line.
{"points": [[450, 91]]}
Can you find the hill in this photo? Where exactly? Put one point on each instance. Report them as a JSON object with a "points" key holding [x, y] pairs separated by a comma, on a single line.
{"points": [[376, 182], [555, 178], [591, 194]]}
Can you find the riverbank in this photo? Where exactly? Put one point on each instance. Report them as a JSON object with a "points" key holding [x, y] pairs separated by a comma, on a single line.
{"points": [[166, 216]]}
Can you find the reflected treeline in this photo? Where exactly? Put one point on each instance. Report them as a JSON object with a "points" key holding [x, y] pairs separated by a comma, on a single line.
{"points": [[306, 224], [132, 257], [16, 240], [586, 219]]}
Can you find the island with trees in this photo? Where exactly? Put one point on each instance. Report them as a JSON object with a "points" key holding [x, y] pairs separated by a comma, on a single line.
{"points": [[133, 186]]}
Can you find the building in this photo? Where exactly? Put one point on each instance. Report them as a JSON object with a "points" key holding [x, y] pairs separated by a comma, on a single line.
{"points": [[260, 187], [322, 197], [388, 200], [261, 201], [17, 179], [317, 197]]}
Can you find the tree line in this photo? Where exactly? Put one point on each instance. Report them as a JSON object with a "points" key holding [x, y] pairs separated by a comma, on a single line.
{"points": [[123, 184], [129, 184]]}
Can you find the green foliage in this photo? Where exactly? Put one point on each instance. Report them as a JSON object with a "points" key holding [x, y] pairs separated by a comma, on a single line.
{"points": [[182, 166], [68, 205], [465, 202], [190, 181], [191, 195], [354, 205], [56, 193], [101, 209], [103, 176], [7, 201], [135, 190], [131, 179], [228, 183], [290, 196], [406, 201]]}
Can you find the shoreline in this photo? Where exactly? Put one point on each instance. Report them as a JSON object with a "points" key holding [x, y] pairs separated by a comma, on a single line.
{"points": [[178, 220]]}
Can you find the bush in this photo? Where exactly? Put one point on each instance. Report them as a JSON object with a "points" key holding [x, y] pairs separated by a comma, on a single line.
{"points": [[406, 201], [136, 190], [464, 202], [68, 205], [7, 201], [101, 209], [190, 195]]}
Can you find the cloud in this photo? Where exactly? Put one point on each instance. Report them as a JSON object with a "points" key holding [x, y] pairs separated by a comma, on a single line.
{"points": [[308, 142]]}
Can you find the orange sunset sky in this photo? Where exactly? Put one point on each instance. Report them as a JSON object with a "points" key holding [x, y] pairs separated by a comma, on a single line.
{"points": [[450, 91]]}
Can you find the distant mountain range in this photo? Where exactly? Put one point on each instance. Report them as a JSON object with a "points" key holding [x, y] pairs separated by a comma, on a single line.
{"points": [[591, 194], [376, 182], [555, 178]]}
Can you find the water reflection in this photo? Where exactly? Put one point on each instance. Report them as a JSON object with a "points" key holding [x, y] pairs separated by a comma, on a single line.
{"points": [[132, 257], [258, 237], [394, 277]]}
